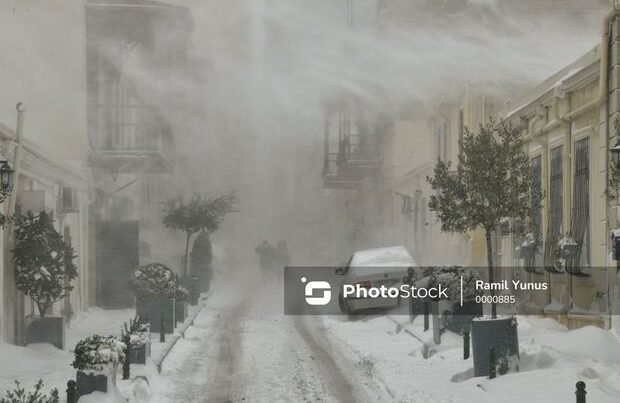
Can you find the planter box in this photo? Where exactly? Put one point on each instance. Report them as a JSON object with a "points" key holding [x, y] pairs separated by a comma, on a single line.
{"points": [[153, 310], [501, 334], [192, 284], [139, 353], [50, 329], [180, 311], [462, 316], [96, 381]]}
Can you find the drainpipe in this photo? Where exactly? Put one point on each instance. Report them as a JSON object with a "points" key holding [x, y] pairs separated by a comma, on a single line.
{"points": [[604, 94], [19, 298], [543, 166]]}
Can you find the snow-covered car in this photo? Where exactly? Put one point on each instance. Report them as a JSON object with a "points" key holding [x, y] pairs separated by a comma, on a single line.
{"points": [[373, 268]]}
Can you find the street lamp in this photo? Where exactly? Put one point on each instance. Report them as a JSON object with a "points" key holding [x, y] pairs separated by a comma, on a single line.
{"points": [[6, 175], [615, 155]]}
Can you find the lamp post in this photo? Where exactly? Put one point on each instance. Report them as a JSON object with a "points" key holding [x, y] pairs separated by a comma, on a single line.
{"points": [[6, 180], [615, 155]]}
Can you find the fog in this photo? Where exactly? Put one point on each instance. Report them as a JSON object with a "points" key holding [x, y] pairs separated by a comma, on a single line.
{"points": [[261, 71], [269, 65]]}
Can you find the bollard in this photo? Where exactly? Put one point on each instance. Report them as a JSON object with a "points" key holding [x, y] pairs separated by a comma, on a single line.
{"points": [[581, 392], [426, 313], [492, 363], [466, 344], [162, 328], [71, 391], [127, 361]]}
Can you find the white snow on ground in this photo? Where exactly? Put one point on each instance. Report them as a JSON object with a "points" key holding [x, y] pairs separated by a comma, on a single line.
{"points": [[553, 359], [44, 361], [244, 349]]}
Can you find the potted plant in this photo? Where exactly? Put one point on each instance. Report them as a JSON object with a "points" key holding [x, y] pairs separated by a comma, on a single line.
{"points": [[155, 287], [492, 180], [138, 334], [96, 361], [201, 259], [568, 249], [527, 249], [499, 334], [449, 278], [181, 297], [44, 270], [197, 213]]}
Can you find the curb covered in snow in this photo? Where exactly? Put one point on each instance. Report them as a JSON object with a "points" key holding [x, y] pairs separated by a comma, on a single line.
{"points": [[181, 334]]}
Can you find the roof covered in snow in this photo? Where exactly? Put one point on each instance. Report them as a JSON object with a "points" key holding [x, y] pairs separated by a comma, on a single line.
{"points": [[389, 256], [556, 84]]}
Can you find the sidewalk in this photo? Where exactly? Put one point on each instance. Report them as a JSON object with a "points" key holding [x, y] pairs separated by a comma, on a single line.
{"points": [[43, 361], [400, 360]]}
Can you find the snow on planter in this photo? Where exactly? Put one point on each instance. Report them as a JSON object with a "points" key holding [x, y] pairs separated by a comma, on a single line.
{"points": [[96, 360], [155, 287], [44, 270], [139, 334], [455, 317], [499, 334]]}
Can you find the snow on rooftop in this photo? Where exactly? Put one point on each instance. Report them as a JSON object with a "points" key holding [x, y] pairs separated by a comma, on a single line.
{"points": [[554, 82]]}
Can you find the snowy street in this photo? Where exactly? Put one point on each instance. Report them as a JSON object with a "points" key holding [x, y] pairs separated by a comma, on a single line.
{"points": [[213, 201], [244, 349]]}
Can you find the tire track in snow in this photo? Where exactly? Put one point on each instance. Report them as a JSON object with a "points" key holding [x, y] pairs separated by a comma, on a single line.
{"points": [[223, 388], [337, 384]]}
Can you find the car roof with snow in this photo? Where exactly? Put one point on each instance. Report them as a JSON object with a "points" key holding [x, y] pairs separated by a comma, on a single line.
{"points": [[389, 256]]}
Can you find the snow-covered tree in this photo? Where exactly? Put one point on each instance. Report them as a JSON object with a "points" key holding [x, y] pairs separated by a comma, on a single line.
{"points": [[44, 265], [197, 213], [492, 181]]}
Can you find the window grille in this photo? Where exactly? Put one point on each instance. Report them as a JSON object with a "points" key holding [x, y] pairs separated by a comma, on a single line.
{"points": [[580, 222], [555, 213], [534, 263]]}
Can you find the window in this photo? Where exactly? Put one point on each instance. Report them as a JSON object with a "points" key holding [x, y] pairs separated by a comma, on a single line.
{"points": [[580, 228], [556, 201], [536, 197]]}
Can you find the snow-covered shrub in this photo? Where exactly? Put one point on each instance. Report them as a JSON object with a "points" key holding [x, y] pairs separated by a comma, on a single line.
{"points": [[20, 395], [97, 353], [154, 280], [139, 332], [450, 279], [44, 264]]}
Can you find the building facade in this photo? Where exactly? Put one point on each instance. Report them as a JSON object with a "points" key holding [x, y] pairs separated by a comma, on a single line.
{"points": [[137, 61]]}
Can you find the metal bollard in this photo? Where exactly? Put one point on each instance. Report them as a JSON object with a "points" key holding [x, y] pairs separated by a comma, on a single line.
{"points": [[162, 328], [71, 386], [466, 344], [426, 313], [581, 392], [492, 363], [126, 363]]}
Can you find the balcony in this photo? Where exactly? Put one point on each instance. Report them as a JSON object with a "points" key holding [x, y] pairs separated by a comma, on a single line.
{"points": [[131, 139], [355, 158]]}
